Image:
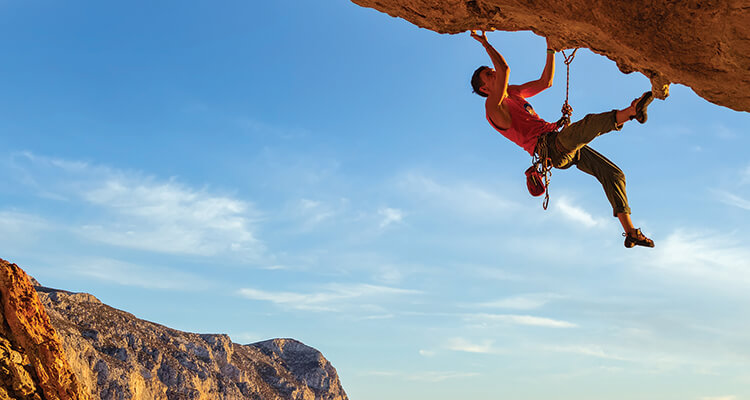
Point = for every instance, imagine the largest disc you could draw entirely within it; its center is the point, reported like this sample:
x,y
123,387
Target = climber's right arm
x,y
502,70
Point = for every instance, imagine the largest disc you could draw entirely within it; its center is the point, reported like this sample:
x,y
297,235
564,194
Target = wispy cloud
x,y
576,214
731,397
590,350
527,320
131,210
390,216
466,346
424,376
312,213
733,200
706,256
332,298
523,302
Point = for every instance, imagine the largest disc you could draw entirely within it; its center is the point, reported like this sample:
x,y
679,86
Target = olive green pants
x,y
569,147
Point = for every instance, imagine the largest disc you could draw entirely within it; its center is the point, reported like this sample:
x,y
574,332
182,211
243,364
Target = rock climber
x,y
510,114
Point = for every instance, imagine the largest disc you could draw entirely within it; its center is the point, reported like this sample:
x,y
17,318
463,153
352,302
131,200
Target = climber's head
x,y
481,79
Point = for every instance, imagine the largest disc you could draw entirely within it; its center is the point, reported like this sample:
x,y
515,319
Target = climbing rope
x,y
541,161
567,110
543,165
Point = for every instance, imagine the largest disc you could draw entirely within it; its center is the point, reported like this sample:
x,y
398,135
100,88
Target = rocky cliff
x,y
704,44
118,356
32,365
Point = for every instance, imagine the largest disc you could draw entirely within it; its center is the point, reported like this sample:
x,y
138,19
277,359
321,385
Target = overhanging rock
x,y
703,44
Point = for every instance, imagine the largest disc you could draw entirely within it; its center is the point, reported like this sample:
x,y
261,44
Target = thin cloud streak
x,y
524,302
527,320
331,299
425,376
592,351
733,200
466,346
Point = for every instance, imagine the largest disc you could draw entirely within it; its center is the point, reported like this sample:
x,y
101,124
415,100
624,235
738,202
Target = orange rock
x,y
28,328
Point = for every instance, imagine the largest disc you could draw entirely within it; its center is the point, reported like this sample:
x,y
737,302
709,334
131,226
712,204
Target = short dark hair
x,y
476,81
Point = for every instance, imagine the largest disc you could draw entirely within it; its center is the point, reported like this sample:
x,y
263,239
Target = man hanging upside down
x,y
511,115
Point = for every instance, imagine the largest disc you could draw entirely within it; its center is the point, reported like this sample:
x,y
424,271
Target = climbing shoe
x,y
641,105
637,238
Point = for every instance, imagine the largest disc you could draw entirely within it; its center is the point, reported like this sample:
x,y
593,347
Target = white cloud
x,y
577,214
525,302
333,298
142,212
733,200
313,212
427,353
705,256
276,267
390,216
591,350
527,320
466,346
732,397
424,376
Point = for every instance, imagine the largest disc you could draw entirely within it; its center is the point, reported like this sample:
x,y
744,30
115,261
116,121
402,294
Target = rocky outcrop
x,y
32,362
50,340
118,356
704,44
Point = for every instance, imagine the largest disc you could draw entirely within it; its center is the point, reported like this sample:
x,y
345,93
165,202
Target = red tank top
x,y
525,124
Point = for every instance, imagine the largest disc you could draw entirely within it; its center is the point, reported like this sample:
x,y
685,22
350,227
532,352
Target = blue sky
x,y
322,171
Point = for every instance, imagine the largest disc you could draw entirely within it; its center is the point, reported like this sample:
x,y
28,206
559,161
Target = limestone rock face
x,y
703,44
32,362
118,356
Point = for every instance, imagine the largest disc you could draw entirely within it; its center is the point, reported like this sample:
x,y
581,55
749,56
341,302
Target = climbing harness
x,y
538,175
